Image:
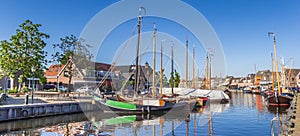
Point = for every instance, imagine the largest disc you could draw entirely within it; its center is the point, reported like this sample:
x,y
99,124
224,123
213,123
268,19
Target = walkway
x,y
297,121
13,100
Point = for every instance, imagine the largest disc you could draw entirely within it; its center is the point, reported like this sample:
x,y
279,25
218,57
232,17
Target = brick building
x,y
58,74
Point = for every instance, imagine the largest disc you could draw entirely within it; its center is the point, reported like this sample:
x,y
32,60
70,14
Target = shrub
x,y
52,90
12,91
24,90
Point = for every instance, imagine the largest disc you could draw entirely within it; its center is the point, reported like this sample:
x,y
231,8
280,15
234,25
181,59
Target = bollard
x,y
292,124
26,98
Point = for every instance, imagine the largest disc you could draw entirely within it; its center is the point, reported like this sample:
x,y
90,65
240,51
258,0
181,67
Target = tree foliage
x,y
176,79
72,51
164,78
23,52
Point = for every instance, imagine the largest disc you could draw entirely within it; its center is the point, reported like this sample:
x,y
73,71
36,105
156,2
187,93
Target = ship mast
x,y
137,67
272,72
208,71
193,80
276,61
290,73
207,74
161,70
186,63
154,62
172,70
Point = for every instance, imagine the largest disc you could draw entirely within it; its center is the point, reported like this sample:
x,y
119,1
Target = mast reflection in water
x,y
246,114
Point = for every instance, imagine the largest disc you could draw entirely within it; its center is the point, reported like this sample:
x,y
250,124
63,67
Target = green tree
x,y
72,51
131,82
164,78
23,52
176,79
171,80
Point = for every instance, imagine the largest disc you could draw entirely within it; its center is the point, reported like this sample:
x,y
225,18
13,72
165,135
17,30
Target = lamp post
x,y
33,70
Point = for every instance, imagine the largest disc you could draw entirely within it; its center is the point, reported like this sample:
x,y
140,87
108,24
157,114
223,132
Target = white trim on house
x,y
33,78
51,76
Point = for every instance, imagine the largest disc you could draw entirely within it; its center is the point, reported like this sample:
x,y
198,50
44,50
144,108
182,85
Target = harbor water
x,y
244,115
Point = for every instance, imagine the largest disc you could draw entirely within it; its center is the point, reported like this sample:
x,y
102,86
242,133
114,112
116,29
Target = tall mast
x,y
161,74
197,79
290,73
272,71
207,73
172,70
186,63
276,61
283,72
154,62
193,80
136,82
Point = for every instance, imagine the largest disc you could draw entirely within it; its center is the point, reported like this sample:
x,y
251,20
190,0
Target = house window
x,y
58,69
102,73
51,70
112,74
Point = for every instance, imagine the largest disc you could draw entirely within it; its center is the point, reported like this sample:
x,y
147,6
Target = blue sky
x,y
241,25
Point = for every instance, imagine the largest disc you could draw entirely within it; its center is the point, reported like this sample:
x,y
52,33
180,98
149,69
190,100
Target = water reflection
x,y
246,113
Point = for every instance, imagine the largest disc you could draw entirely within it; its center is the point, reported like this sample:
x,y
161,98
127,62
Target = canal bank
x,y
297,119
245,114
14,109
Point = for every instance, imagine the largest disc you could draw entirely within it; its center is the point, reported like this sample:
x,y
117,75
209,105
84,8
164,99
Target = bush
x,y
24,90
52,90
12,91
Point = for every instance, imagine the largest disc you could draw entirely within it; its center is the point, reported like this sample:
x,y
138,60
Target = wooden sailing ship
x,y
277,99
135,105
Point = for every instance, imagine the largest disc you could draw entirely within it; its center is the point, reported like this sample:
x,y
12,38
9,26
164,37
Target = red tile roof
x,y
53,70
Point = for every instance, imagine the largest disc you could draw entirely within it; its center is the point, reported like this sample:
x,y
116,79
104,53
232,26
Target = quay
x,y
42,108
297,119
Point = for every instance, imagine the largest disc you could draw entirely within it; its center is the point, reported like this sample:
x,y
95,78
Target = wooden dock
x,y
297,120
